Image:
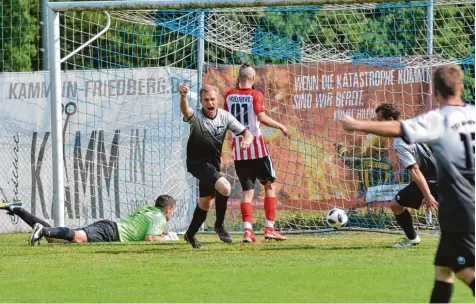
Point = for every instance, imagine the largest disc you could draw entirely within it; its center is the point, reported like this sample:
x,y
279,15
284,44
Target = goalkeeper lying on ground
x,y
147,223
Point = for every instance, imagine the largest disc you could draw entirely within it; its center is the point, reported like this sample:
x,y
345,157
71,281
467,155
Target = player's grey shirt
x,y
207,135
416,153
450,131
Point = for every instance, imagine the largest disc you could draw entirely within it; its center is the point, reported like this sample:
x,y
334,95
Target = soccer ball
x,y
336,218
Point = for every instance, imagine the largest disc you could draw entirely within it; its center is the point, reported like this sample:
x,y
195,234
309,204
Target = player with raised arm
x,y
147,223
247,105
418,159
208,128
450,131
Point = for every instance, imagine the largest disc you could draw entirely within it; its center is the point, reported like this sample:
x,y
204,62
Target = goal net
x,y
124,138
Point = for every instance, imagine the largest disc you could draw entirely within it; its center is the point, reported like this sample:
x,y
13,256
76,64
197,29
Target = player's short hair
x,y
389,110
165,201
207,88
448,80
245,71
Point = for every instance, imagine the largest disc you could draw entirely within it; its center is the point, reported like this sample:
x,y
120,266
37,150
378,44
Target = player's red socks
x,y
247,215
270,211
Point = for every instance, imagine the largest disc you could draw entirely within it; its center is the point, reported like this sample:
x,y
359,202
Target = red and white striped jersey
x,y
245,105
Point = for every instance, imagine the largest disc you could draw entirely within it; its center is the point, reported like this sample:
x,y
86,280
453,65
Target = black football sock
x,y
405,221
28,218
221,203
441,292
198,218
62,233
471,285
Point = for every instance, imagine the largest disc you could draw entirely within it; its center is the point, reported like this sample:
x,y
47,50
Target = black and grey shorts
x,y
411,196
249,171
455,250
207,175
102,231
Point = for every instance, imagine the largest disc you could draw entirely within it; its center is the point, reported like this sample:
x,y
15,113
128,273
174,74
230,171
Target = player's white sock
x,y
269,224
247,225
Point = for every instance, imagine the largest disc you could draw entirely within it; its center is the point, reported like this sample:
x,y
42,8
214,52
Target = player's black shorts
x,y
102,231
207,175
250,170
455,250
411,196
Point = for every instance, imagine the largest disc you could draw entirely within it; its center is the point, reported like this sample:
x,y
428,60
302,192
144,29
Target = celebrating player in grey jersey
x,y
450,131
208,127
419,161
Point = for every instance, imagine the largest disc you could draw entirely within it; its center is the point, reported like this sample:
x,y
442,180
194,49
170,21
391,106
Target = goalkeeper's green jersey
x,y
145,220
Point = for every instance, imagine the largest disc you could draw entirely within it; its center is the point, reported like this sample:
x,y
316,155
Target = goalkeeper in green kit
x,y
147,223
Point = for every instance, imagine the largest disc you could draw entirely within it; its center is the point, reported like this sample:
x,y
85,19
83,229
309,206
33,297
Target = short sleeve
x,y
258,103
404,153
425,128
192,119
158,225
233,124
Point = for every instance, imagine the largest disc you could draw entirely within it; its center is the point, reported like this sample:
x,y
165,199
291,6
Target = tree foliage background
x,y
387,30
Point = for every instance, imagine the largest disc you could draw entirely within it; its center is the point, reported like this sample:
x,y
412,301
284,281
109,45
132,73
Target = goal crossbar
x,y
191,4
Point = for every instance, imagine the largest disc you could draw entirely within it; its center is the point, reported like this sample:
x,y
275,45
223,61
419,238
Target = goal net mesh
x,y
125,141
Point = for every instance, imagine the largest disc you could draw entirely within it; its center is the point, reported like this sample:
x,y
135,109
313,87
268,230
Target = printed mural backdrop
x,y
124,139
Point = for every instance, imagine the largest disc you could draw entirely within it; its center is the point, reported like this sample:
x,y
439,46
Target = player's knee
x,y
269,189
466,275
269,186
223,186
444,274
396,207
205,203
247,196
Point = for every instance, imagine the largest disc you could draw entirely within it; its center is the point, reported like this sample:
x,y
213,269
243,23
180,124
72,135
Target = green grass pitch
x,y
342,267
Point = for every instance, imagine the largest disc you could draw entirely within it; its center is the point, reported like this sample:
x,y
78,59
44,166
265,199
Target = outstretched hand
x,y
348,123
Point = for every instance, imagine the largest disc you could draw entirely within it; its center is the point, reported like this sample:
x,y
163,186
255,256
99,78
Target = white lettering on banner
x,y
414,75
112,151
324,100
356,83
382,193
29,90
365,79
306,83
349,98
361,113
302,101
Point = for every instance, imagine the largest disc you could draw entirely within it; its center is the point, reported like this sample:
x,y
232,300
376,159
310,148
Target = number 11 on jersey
x,y
468,142
240,111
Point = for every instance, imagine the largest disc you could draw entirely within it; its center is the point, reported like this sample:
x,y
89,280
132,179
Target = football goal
x,y
118,139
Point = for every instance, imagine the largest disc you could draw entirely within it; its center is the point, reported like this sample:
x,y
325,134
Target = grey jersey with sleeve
x,y
450,131
207,134
416,153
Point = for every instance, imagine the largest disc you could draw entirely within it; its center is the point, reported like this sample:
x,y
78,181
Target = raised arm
x,y
424,128
186,110
391,128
